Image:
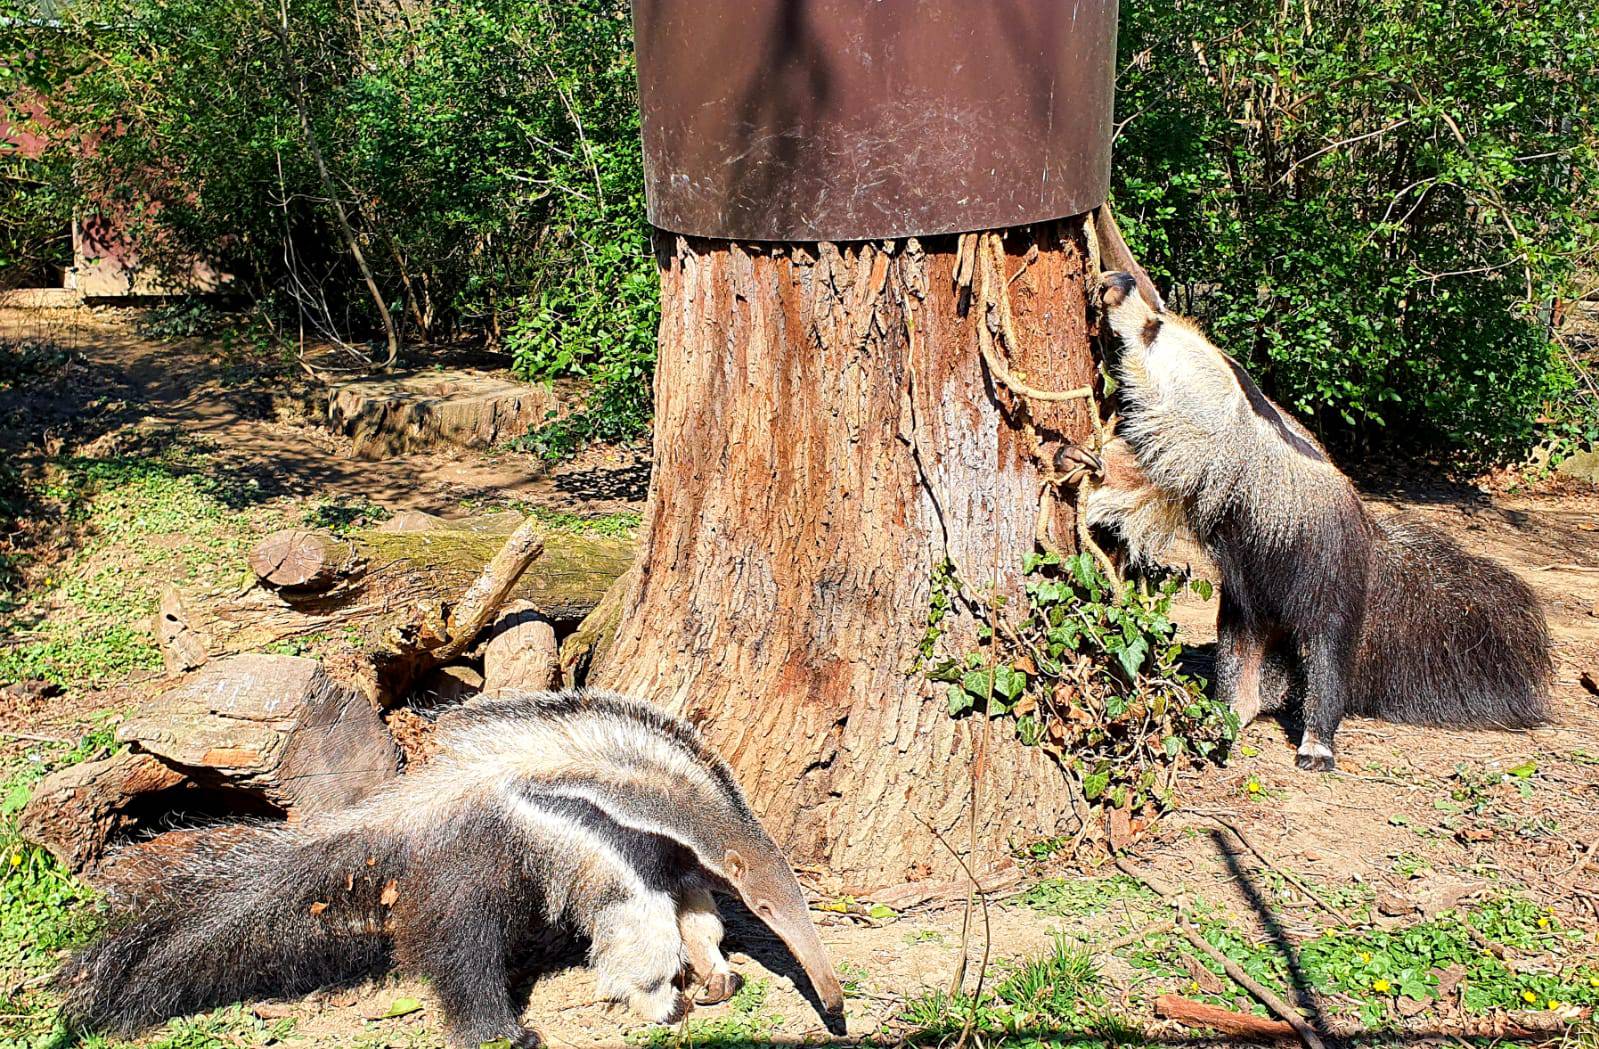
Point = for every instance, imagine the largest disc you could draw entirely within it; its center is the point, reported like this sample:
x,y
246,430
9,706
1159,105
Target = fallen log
x,y
76,811
383,577
587,648
300,559
277,726
1244,1026
521,653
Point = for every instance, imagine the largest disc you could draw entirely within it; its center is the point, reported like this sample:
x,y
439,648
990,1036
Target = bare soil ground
x,y
1416,822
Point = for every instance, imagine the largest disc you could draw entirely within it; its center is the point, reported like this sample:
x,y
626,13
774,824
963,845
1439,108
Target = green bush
x,y
1371,204
485,152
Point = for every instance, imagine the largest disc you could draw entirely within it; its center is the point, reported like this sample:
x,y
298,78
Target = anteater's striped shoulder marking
x,y
561,715
1261,405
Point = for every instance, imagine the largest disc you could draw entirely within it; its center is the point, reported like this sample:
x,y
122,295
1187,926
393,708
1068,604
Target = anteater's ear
x,y
1115,287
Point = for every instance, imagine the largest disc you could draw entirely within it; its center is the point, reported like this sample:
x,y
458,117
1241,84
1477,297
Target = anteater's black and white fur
x,y
586,812
1320,597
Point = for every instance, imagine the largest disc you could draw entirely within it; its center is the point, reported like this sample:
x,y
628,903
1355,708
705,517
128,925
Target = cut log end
x,y
521,652
299,559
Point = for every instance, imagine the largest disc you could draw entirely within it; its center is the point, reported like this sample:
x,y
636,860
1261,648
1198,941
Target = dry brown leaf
x,y
317,908
391,892
1449,978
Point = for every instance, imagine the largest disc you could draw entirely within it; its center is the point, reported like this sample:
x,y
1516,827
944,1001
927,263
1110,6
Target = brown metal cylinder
x,y
804,120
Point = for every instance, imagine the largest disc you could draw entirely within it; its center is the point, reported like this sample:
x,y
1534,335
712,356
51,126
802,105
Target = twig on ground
x,y
34,737
1139,935
1265,995
988,936
1585,856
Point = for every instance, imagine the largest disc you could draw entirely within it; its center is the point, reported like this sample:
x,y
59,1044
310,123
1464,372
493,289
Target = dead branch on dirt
x,y
959,977
1194,1014
1265,995
1139,936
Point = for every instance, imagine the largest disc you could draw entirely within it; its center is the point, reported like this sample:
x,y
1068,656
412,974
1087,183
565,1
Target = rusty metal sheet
x,y
864,119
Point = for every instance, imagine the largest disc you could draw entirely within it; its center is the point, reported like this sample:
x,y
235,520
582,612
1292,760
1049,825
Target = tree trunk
x,y
827,435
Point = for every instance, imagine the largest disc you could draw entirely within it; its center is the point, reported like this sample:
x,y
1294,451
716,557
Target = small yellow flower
x,y
1254,786
1381,986
1529,997
1553,1004
1593,981
1365,956
16,861
1543,923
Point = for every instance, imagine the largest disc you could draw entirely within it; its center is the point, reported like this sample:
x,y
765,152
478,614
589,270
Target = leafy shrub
x,y
1089,672
1372,204
485,153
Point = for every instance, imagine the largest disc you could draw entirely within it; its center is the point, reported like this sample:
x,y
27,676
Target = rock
x,y
1582,465
76,812
276,725
1394,905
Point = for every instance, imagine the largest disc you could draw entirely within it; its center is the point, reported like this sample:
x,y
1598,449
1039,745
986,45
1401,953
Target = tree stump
x,y
827,437
275,725
391,415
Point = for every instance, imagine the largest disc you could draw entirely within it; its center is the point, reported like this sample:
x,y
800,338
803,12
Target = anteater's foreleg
x,y
701,929
1242,638
638,954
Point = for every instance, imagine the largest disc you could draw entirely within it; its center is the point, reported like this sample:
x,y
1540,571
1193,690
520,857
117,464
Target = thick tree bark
x,y
826,434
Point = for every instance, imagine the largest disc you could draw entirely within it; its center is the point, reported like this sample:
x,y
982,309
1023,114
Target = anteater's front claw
x,y
719,988
1074,462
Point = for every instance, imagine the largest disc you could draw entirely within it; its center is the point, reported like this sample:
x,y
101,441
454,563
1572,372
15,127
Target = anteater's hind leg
x,y
456,924
1328,658
638,954
701,928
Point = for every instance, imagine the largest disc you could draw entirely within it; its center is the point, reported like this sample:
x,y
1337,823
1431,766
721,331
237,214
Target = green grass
x,y
743,1026
342,516
144,521
620,525
43,909
1082,897
1376,967
1048,1001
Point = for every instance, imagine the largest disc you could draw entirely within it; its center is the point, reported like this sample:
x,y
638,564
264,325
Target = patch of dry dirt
x,y
120,382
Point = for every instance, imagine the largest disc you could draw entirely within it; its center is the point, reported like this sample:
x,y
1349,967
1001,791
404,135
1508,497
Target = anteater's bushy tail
x,y
1450,639
249,911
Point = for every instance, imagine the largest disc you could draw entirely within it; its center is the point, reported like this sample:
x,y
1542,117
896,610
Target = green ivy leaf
x,y
1009,682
